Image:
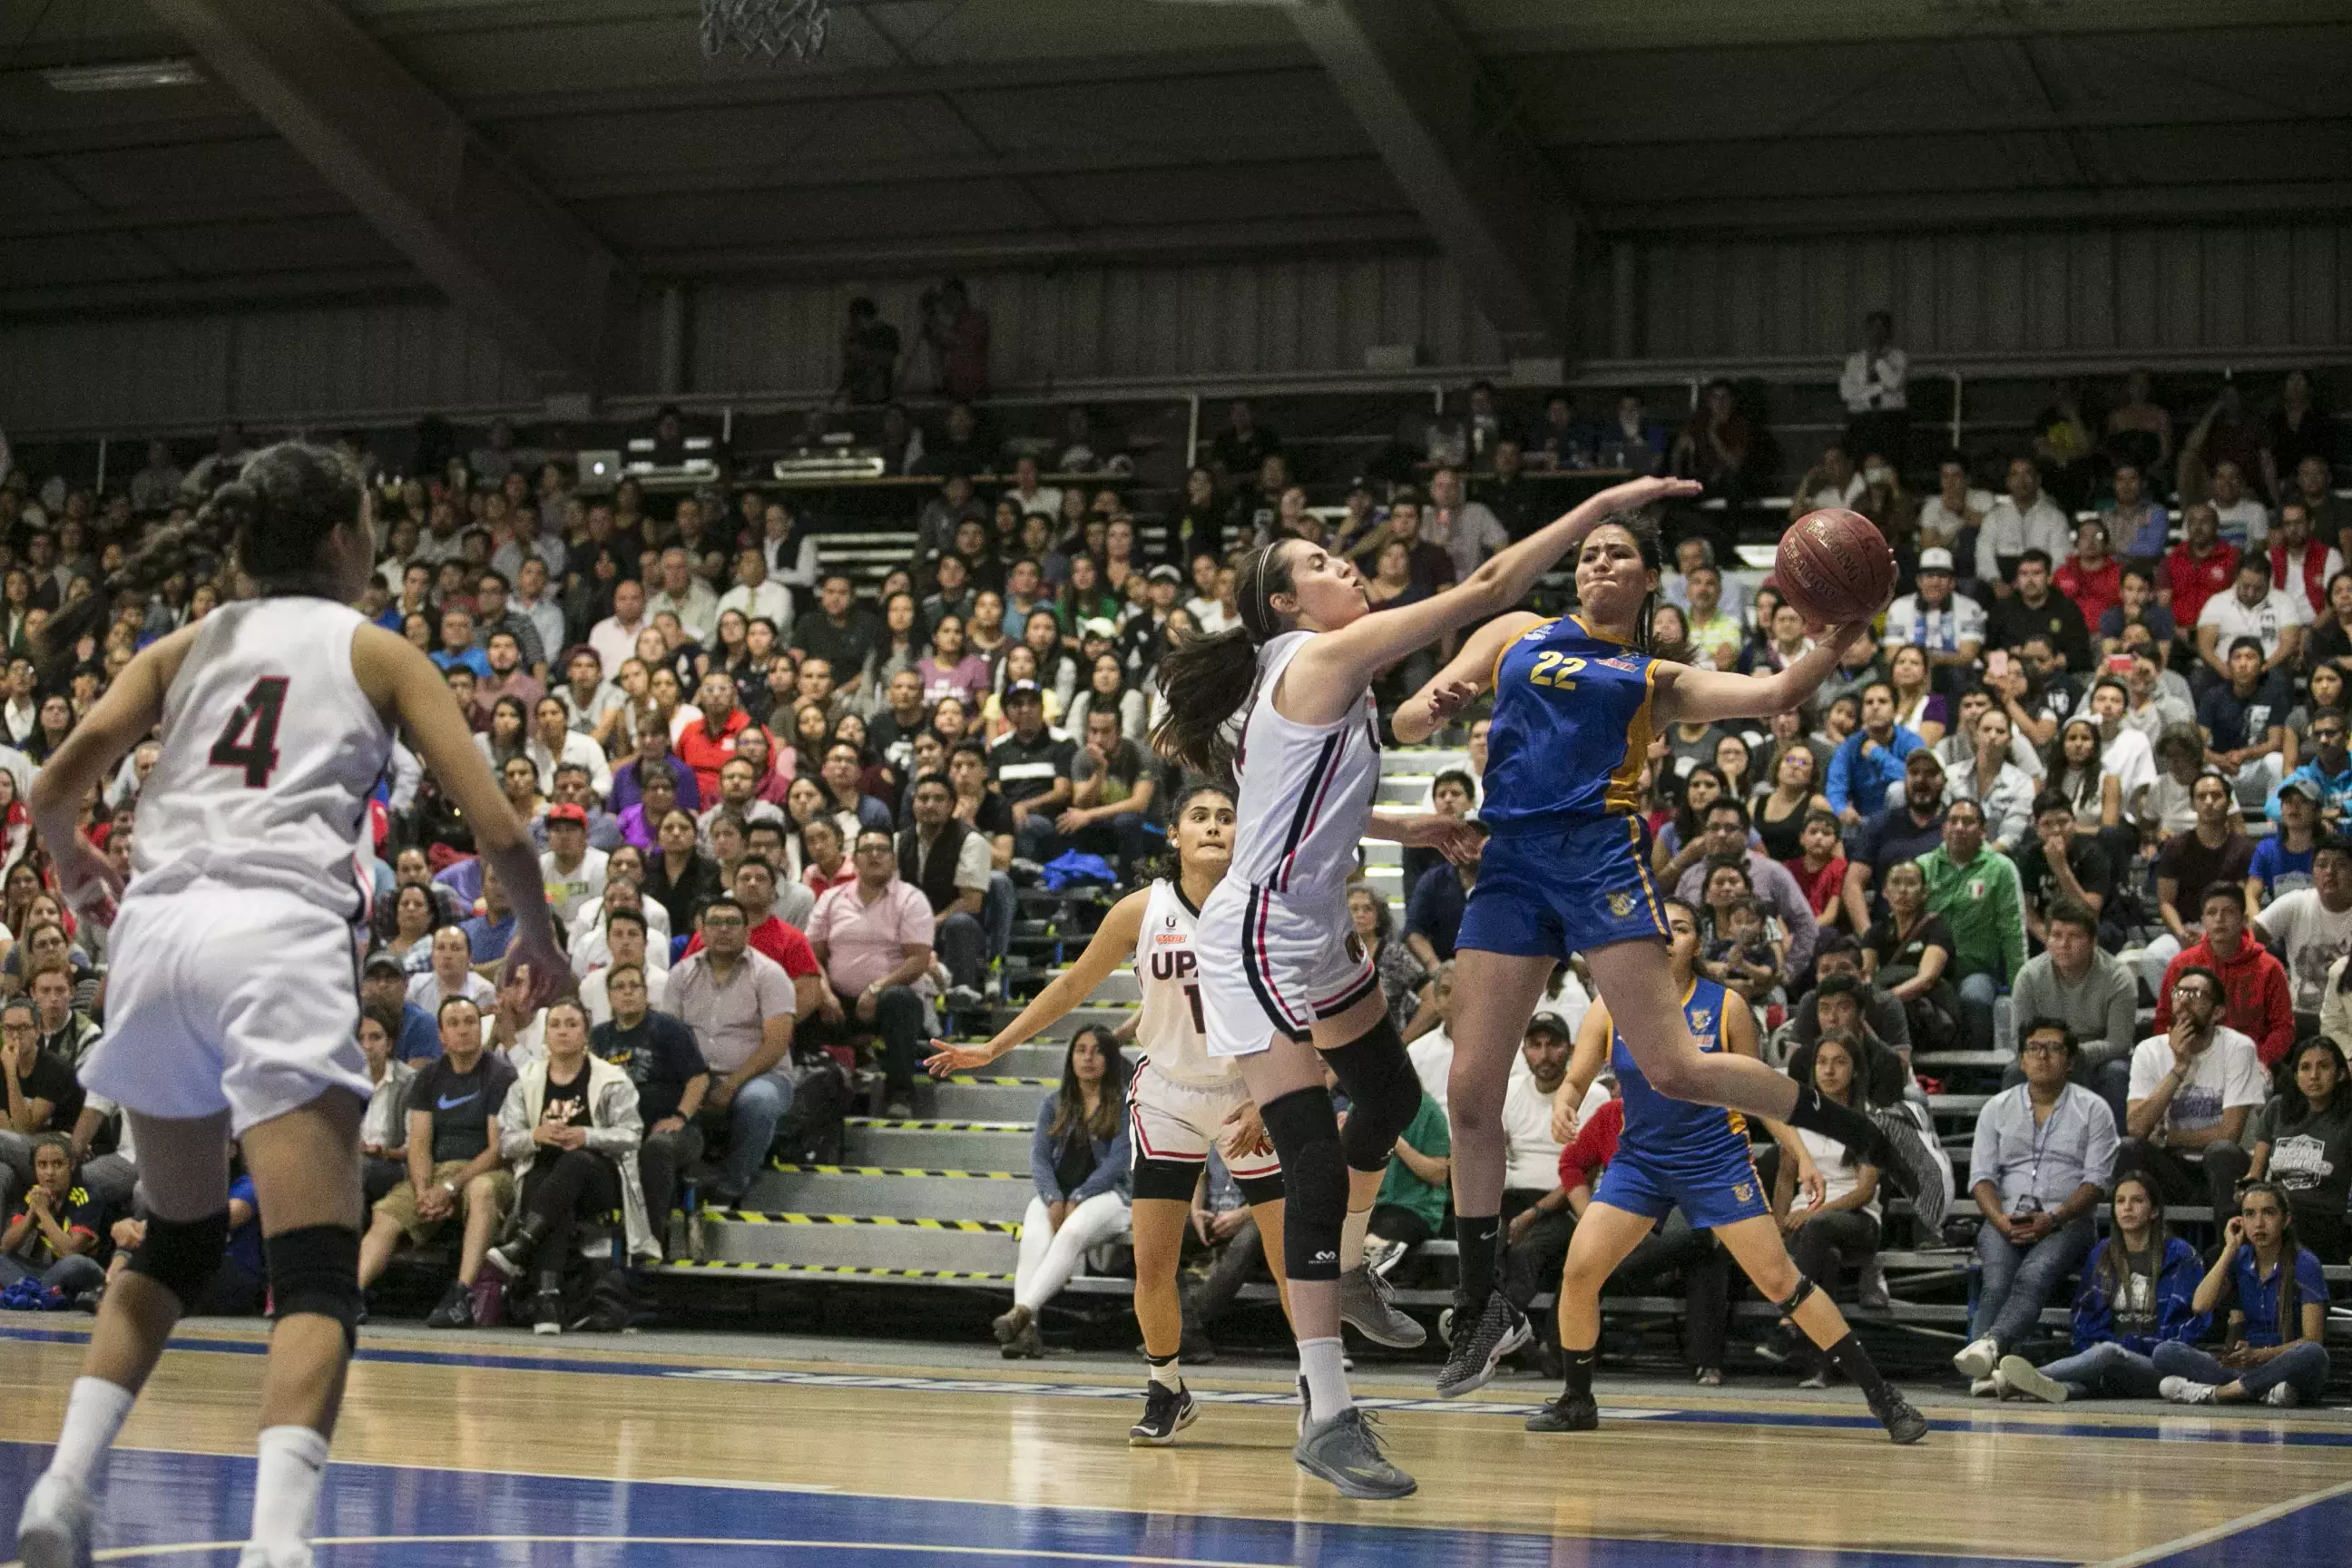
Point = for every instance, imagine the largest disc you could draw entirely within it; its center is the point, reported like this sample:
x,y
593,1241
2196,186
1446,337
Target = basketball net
x,y
765,29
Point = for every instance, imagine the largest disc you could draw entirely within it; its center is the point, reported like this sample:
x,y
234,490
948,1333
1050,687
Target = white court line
x,y
2224,1531
1025,1553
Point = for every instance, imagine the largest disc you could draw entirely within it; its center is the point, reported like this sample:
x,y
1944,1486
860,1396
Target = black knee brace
x,y
1797,1298
316,1269
1383,1095
1314,1182
182,1256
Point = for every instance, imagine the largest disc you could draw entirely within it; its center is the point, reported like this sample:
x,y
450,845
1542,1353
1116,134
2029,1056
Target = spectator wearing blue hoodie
x,y
2138,1291
1870,761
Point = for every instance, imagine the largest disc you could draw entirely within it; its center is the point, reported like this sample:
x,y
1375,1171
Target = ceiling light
x,y
123,75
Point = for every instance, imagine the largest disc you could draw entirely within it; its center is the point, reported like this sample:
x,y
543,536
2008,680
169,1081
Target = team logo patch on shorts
x,y
1742,1192
1621,904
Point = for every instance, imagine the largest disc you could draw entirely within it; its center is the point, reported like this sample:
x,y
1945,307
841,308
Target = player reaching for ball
x,y
1566,871
1181,1099
232,1011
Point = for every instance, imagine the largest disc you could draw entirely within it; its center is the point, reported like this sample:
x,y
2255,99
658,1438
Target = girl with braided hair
x,y
232,1011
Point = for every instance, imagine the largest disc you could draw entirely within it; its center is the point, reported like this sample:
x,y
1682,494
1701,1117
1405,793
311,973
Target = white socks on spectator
x,y
94,1414
286,1491
1321,1363
1351,1238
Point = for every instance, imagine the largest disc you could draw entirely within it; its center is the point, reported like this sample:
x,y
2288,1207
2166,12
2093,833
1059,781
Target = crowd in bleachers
x,y
2096,764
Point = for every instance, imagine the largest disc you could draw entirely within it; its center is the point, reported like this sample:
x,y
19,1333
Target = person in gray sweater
x,y
2094,993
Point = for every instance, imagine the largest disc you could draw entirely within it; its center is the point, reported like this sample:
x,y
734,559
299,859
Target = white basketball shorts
x,y
1272,962
1169,1120
236,998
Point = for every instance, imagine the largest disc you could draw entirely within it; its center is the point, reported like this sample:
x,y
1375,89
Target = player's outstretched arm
x,y
1456,686
119,720
1113,940
1344,662
1704,696
405,687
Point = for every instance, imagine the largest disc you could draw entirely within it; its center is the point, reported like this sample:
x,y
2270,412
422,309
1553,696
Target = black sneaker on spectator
x,y
455,1311
547,1307
1024,871
1166,1412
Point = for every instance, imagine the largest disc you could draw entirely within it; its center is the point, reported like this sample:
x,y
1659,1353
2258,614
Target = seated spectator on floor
x,y
660,1056
2254,992
1031,768
2311,929
2243,715
38,1095
1410,1207
873,939
1726,837
2276,1298
1223,1231
739,1005
949,864
1975,889
111,1176
2213,850
2135,1293
1078,1161
1837,1007
451,974
1110,812
2192,1089
2301,1142
1433,913
56,1230
454,1172
570,1131
384,1126
2043,1154
1907,955
1838,1225
1871,761
2093,993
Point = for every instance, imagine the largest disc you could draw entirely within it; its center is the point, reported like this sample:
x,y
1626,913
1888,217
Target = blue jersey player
x,y
1675,1153
1577,703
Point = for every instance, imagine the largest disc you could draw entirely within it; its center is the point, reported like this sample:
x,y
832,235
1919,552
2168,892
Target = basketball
x,y
1834,567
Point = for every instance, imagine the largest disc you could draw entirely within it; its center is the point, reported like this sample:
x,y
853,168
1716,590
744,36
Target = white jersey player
x,y
233,1009
1181,1101
1282,995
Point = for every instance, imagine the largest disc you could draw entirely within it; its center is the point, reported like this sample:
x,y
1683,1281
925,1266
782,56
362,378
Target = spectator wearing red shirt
x,y
706,745
2256,999
2091,577
1590,1151
2202,566
1819,869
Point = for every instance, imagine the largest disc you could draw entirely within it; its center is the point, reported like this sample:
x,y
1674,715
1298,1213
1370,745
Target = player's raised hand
x,y
86,878
1447,697
538,966
1635,494
946,1058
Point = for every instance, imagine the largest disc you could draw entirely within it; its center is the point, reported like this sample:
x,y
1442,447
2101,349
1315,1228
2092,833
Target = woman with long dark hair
x,y
1565,871
2302,1140
1079,1160
509,736
224,1017
2136,1292
1279,990
2277,1300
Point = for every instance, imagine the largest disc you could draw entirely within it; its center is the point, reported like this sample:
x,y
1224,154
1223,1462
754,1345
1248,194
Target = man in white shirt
x,y
2021,521
1029,495
614,637
684,595
2302,566
1956,505
2254,608
2245,522
2191,1092
1949,625
1691,554
589,945
21,715
1537,1220
1715,635
2124,751
530,601
2312,928
573,872
1874,388
754,596
625,936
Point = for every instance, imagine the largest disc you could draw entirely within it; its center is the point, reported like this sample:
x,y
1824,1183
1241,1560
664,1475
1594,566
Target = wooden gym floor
x,y
669,1449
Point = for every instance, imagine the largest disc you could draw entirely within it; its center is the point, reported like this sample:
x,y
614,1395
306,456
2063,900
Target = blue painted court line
x,y
383,1517
2181,1430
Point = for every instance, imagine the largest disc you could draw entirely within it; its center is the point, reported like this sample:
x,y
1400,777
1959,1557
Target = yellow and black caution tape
x,y
841,1270
965,1077
897,1171
752,1216
1024,1128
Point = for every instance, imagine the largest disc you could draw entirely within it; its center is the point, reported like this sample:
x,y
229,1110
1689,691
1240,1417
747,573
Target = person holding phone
x,y
2274,1288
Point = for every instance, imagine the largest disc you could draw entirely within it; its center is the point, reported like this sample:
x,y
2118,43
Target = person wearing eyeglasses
x,y
873,939
2192,1089
2044,1154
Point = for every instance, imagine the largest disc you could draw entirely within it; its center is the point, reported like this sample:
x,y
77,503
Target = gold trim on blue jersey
x,y
1624,794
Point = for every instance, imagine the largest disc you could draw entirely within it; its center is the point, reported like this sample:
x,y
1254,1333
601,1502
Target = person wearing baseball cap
x,y
1536,1214
384,982
1031,767
573,872
1949,625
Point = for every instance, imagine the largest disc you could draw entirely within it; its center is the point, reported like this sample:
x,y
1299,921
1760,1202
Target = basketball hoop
x,y
768,28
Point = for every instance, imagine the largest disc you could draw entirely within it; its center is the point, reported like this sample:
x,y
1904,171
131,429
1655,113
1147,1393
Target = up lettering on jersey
x,y
1178,965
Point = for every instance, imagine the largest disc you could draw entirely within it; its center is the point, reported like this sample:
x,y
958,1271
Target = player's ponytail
x,y
270,521
1206,679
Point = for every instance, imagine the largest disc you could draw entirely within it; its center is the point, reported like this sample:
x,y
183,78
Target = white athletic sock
x,y
1351,1238
94,1414
286,1491
1168,1373
1326,1383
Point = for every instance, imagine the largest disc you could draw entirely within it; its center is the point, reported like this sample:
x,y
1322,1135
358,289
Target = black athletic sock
x,y
1479,1240
1860,1370
1841,1123
1580,1371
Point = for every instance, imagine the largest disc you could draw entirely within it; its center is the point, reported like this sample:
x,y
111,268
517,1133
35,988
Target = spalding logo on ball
x,y
1834,567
